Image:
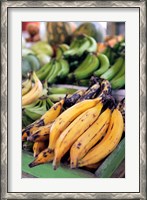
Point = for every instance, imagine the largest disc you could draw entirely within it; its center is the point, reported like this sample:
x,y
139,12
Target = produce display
x,y
70,114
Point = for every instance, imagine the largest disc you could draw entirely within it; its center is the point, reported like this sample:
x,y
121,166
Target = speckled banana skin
x,y
121,108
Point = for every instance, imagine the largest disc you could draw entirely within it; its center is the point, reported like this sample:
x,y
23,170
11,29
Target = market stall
x,y
73,99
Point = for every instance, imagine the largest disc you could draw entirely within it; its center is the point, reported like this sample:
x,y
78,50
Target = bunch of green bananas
x,y
56,69
85,69
80,45
116,74
115,52
99,66
34,111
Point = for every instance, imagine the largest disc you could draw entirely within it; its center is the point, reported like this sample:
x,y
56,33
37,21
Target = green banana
x,y
60,50
43,74
42,69
64,69
53,76
61,90
32,105
36,112
56,97
25,120
83,47
49,103
73,48
88,70
93,44
120,73
86,61
113,70
104,65
118,83
78,46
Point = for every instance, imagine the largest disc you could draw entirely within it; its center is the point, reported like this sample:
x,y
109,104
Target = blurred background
x,y
105,29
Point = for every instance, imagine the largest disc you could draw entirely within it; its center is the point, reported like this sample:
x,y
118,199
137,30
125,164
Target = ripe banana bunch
x,y
73,131
47,118
89,138
90,130
34,93
108,143
80,45
26,86
60,124
78,129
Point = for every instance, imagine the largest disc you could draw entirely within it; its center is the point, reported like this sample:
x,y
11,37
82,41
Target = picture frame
x,y
5,5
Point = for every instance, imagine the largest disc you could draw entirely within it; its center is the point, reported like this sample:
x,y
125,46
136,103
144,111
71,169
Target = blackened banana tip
x,y
31,165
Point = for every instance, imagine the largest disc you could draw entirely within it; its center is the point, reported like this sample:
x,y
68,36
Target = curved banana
x,y
86,62
91,92
37,111
104,65
43,157
108,143
88,70
71,100
53,77
93,44
60,50
118,83
34,93
38,147
120,73
64,69
113,70
89,138
47,118
43,72
63,121
40,135
26,86
74,130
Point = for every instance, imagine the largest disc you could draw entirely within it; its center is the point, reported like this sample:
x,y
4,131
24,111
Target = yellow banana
x,y
43,157
67,117
41,134
47,118
34,93
38,147
74,130
90,137
108,143
26,86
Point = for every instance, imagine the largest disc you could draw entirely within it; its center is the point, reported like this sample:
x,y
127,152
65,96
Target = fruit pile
x,y
74,63
82,129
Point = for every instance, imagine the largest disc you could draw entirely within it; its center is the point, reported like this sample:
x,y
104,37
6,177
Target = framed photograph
x,y
73,93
